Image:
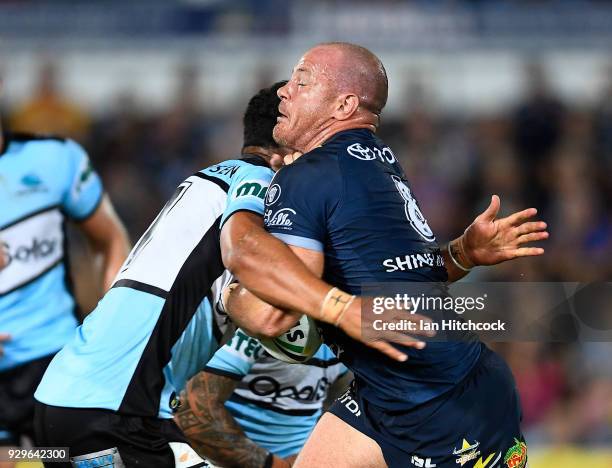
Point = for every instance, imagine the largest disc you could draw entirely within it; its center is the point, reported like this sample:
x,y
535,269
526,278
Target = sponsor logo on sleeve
x,y
252,188
84,177
280,218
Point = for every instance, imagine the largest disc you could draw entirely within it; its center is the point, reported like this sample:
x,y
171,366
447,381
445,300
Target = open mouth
x,y
281,116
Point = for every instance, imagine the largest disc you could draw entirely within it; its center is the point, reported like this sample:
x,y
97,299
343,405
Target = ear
x,y
347,105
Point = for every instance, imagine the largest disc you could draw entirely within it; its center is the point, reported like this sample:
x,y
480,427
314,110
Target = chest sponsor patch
x,y
31,246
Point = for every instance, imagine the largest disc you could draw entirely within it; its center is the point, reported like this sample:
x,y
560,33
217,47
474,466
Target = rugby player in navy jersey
x,y
346,209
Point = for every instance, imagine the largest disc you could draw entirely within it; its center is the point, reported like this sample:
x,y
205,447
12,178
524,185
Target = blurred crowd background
x,y
505,97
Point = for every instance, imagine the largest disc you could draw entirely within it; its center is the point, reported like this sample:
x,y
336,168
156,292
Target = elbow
x,y
232,260
238,259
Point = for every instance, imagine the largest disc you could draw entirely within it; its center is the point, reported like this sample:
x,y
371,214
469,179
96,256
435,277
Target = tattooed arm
x,y
211,429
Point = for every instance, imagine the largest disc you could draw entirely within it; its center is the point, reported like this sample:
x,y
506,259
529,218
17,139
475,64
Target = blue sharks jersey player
x,y
247,405
154,328
44,182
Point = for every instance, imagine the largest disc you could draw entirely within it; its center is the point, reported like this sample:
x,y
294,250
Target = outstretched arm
x,y
489,241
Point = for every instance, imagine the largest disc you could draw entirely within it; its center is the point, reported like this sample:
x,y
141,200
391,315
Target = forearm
x,y
113,255
211,429
108,239
270,270
258,318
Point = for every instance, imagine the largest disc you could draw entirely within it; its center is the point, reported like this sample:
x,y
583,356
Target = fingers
x,y
491,212
527,228
388,350
525,252
532,237
291,158
516,219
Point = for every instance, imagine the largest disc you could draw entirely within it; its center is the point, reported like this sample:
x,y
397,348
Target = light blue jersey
x,y
157,325
276,404
43,181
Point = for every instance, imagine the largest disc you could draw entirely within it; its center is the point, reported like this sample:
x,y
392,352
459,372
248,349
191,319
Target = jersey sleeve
x,y
247,190
84,191
236,357
301,199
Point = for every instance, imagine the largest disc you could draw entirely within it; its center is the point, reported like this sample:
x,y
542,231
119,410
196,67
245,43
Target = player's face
x,y
307,100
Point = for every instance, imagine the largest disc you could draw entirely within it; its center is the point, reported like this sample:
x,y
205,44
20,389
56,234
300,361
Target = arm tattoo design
x,y
211,429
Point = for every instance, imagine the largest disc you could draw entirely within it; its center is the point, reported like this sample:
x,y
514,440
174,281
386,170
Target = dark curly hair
x,y
260,117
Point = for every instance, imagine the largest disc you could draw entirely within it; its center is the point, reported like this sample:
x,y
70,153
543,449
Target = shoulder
x,y
20,137
59,158
47,145
233,170
320,164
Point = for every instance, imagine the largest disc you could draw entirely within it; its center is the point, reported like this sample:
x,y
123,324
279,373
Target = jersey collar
x,y
357,132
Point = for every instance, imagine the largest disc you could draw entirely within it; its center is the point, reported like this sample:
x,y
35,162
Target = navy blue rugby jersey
x,y
350,199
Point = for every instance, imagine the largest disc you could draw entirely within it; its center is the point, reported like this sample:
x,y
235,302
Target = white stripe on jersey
x,y
163,249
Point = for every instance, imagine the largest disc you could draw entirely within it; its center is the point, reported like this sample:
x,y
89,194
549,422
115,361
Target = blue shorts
x,y
476,425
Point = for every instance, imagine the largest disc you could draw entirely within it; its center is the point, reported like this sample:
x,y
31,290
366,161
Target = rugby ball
x,y
297,344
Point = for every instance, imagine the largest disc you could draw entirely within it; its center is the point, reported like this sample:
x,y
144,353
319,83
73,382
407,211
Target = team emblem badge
x,y
273,194
516,456
467,452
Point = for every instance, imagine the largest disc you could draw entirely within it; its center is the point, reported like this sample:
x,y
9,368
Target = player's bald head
x,y
335,86
354,69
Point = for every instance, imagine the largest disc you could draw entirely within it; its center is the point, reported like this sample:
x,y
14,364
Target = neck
x,y
337,127
259,151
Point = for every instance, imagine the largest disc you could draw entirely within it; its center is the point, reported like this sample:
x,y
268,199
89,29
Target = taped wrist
x,y
334,306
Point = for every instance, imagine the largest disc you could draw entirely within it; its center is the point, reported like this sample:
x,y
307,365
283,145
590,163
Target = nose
x,y
283,92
